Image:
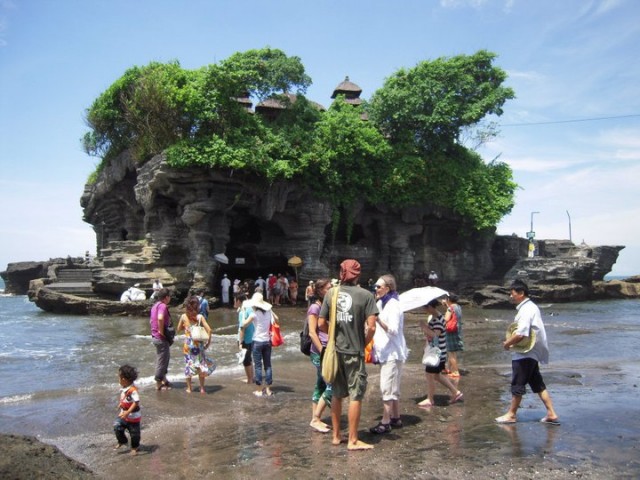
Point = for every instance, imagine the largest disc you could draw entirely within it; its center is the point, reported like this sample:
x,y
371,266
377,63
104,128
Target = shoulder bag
x,y
305,339
452,323
329,354
198,332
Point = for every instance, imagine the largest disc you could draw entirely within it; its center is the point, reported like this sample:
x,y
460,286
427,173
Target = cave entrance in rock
x,y
250,251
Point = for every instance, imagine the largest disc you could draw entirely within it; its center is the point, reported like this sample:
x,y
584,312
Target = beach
x,y
230,433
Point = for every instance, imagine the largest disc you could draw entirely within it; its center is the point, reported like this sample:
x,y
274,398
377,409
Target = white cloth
x,y
528,317
262,322
391,344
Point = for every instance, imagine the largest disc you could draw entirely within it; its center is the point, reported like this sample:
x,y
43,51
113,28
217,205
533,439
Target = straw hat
x,y
257,301
524,345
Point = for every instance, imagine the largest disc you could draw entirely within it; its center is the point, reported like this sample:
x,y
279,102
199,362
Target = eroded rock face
x,y
153,221
186,216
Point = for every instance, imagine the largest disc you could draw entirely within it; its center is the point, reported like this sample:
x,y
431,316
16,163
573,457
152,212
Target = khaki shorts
x,y
351,380
390,374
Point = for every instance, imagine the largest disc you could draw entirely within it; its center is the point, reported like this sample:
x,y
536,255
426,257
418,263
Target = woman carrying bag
x,y
197,340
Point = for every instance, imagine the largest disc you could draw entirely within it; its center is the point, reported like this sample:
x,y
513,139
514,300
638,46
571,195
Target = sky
x,y
571,135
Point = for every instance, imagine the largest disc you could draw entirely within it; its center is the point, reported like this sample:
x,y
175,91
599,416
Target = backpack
x,y
305,339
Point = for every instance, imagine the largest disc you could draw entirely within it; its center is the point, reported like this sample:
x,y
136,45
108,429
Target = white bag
x,y
431,356
199,333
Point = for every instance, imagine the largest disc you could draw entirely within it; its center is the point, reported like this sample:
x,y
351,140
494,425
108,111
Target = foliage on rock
x,y
407,153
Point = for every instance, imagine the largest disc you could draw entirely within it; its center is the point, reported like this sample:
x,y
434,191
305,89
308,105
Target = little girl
x,y
129,416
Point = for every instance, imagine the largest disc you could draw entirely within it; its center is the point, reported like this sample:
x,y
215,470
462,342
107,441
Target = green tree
x,y
428,106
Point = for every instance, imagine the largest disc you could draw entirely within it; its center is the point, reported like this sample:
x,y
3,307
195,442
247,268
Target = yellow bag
x,y
329,354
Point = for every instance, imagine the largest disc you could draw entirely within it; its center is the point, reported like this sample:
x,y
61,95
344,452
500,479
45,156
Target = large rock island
x,y
188,227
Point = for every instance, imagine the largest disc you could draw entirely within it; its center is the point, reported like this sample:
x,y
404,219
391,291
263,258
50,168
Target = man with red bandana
x,y
355,325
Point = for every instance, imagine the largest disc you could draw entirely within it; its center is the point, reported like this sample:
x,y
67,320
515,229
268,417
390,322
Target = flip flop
x,y
554,421
505,420
458,398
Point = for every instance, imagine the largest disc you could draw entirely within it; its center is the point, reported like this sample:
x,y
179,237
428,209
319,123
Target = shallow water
x,y
60,383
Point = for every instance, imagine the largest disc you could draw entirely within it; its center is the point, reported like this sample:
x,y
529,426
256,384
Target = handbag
x,y
370,353
329,354
452,323
169,333
276,336
431,355
198,332
305,339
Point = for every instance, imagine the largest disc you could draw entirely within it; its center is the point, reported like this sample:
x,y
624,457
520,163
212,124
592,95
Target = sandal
x,y
396,423
380,428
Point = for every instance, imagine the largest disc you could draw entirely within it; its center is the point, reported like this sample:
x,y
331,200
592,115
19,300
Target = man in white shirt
x,y
524,364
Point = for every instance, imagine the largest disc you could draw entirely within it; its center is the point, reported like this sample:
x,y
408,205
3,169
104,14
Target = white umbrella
x,y
221,258
417,297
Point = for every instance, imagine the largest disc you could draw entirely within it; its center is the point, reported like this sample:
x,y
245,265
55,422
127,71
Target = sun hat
x,y
524,345
257,301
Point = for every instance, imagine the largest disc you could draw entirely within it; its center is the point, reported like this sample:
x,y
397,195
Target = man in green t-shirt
x,y
355,325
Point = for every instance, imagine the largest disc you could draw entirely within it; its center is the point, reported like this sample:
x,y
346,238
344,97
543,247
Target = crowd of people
x,y
359,318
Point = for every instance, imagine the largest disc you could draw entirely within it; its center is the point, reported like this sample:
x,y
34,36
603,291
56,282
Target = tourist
x,y
204,304
260,284
157,285
262,318
129,416
225,284
245,337
160,321
196,362
390,350
433,278
236,293
276,292
435,335
525,365
308,293
293,291
321,396
355,326
271,285
454,339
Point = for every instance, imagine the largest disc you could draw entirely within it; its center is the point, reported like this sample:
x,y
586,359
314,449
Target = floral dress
x,y
194,356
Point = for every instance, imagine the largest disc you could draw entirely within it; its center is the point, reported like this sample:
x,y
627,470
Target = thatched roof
x,y
347,88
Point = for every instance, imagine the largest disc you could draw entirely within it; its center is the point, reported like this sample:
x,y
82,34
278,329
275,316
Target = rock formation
x,y
153,221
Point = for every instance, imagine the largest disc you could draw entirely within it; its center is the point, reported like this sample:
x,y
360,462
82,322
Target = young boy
x,y
129,416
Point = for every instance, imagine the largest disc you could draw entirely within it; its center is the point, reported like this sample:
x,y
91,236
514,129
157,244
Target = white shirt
x,y
528,317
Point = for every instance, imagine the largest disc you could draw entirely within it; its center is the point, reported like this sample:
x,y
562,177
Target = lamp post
x,y
531,235
532,214
569,225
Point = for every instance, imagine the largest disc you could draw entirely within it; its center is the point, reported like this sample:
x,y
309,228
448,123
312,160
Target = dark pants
x,y
119,428
163,354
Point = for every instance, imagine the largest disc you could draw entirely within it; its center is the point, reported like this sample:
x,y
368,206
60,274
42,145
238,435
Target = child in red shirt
x,y
129,416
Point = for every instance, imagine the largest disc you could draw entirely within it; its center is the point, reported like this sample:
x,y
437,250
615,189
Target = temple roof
x,y
347,88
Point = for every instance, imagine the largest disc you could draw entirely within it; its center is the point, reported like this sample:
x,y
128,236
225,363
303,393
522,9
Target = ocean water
x,y
58,369
45,355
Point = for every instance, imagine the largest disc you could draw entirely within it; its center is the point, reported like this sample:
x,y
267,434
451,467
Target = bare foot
x,y
338,440
188,390
203,391
268,392
134,452
118,446
359,445
425,403
319,425
258,393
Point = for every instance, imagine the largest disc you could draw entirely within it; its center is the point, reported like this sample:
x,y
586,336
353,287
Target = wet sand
x,y
230,433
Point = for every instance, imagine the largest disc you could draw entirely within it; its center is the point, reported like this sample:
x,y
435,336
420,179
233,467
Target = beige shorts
x,y
390,376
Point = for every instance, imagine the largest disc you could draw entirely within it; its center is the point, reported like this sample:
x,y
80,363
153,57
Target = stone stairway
x,y
75,281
